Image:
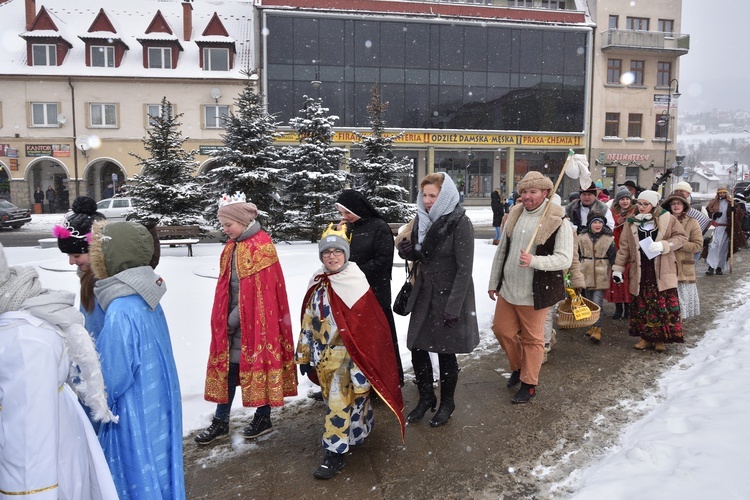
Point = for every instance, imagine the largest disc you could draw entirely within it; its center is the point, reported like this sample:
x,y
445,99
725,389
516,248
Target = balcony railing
x,y
645,40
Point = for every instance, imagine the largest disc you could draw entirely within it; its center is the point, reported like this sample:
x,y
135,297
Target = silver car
x,y
115,208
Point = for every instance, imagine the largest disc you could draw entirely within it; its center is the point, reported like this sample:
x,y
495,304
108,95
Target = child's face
x,y
596,226
231,228
79,259
333,259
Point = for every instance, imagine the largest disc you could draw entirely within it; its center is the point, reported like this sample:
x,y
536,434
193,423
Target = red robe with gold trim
x,y
366,334
267,370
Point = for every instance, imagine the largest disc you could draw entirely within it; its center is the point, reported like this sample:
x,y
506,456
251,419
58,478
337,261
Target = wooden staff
x,y
549,197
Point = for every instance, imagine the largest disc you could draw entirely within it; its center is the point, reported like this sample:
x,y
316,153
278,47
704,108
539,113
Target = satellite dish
x,y
61,119
82,142
215,93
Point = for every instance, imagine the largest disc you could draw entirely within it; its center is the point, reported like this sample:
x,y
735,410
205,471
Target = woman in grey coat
x,y
443,313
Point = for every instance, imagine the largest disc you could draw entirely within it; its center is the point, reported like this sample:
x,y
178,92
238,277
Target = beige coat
x,y
671,233
594,259
686,254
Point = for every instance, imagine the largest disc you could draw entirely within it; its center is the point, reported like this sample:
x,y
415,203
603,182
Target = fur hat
x,y
649,196
244,213
591,189
667,204
536,180
594,216
332,239
683,186
117,246
622,192
74,234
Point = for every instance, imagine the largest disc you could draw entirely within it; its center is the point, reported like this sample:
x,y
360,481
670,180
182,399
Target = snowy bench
x,y
174,236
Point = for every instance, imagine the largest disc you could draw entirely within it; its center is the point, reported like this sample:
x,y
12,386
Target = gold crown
x,y
330,231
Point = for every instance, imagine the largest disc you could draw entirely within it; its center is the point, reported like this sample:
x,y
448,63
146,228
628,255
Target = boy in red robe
x,y
345,343
251,331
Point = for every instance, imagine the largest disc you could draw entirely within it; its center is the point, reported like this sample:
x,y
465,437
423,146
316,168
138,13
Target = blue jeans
x,y
222,409
597,297
497,233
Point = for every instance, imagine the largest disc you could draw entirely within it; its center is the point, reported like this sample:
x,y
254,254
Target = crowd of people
x,y
114,354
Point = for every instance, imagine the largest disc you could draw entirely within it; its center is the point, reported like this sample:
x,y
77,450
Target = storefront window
x,y
470,170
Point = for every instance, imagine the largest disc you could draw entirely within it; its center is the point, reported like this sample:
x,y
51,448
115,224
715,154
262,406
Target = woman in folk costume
x,y
686,288
724,217
619,293
251,330
655,311
73,237
144,449
48,448
345,343
440,243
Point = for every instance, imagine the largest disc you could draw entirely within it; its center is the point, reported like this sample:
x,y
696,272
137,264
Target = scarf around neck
x,y
140,280
446,202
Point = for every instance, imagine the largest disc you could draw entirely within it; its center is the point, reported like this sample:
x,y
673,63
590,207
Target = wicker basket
x,y
566,319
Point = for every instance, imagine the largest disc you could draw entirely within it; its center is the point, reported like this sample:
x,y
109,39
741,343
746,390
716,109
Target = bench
x,y
174,236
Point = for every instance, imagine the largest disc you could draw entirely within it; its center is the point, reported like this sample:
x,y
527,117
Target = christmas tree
x,y
248,163
165,193
313,180
377,174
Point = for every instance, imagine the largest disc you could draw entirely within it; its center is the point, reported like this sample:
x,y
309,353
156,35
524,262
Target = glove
x,y
305,369
731,209
234,318
656,246
449,320
716,215
405,247
617,277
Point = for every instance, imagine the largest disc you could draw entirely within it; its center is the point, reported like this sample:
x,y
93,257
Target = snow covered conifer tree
x,y
314,180
165,192
377,173
248,163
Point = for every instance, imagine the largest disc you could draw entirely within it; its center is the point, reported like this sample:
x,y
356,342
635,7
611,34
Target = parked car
x,y
12,216
115,208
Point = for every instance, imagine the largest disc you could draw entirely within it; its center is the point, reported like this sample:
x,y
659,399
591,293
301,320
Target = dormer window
x,y
44,54
215,59
160,57
102,56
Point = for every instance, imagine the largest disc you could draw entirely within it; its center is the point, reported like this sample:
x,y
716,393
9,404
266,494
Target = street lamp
x,y
665,117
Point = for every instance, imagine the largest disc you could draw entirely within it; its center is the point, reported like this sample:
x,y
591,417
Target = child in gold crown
x,y
251,333
345,345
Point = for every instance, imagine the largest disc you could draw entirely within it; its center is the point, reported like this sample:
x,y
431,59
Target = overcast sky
x,y
716,71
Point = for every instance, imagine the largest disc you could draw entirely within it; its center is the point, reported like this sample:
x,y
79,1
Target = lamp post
x,y
665,117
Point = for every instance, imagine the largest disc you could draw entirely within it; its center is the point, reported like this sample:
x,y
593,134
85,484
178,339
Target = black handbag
x,y
402,299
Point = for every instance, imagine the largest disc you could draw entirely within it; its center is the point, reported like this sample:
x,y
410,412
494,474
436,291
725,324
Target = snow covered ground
x,y
692,441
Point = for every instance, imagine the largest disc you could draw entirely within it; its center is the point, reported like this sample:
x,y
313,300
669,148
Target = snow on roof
x,y
131,19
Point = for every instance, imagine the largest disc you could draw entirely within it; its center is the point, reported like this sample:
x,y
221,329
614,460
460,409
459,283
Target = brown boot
x,y
642,344
595,334
495,242
660,347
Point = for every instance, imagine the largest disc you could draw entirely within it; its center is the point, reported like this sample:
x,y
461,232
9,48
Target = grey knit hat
x,y
333,239
622,192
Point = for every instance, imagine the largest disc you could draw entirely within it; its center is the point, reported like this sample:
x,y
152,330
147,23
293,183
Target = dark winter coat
x,y
38,196
372,249
51,195
498,208
573,211
444,285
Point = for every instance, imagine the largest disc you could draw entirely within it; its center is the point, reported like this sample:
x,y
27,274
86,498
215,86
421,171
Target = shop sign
x,y
56,150
550,140
209,150
3,149
13,163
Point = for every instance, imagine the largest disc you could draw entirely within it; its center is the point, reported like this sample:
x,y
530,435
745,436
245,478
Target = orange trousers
x,y
520,331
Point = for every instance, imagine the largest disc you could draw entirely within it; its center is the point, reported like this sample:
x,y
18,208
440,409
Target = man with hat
x,y
517,277
631,186
696,211
578,210
720,209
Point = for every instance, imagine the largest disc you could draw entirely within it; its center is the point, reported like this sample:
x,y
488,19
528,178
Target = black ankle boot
x,y
515,378
427,399
626,312
618,311
524,394
447,405
710,271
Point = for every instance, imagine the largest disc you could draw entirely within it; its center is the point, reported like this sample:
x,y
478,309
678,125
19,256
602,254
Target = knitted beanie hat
x,y
536,180
17,284
683,186
244,213
649,196
74,234
332,239
594,216
622,192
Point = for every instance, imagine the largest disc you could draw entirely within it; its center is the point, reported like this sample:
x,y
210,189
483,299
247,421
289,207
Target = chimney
x,y
187,19
30,13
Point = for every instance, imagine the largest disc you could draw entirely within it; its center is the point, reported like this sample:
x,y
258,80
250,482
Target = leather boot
x,y
595,334
427,399
618,311
495,242
626,311
447,405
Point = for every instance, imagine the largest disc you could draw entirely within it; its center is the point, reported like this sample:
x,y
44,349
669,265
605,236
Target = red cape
x,y
367,337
